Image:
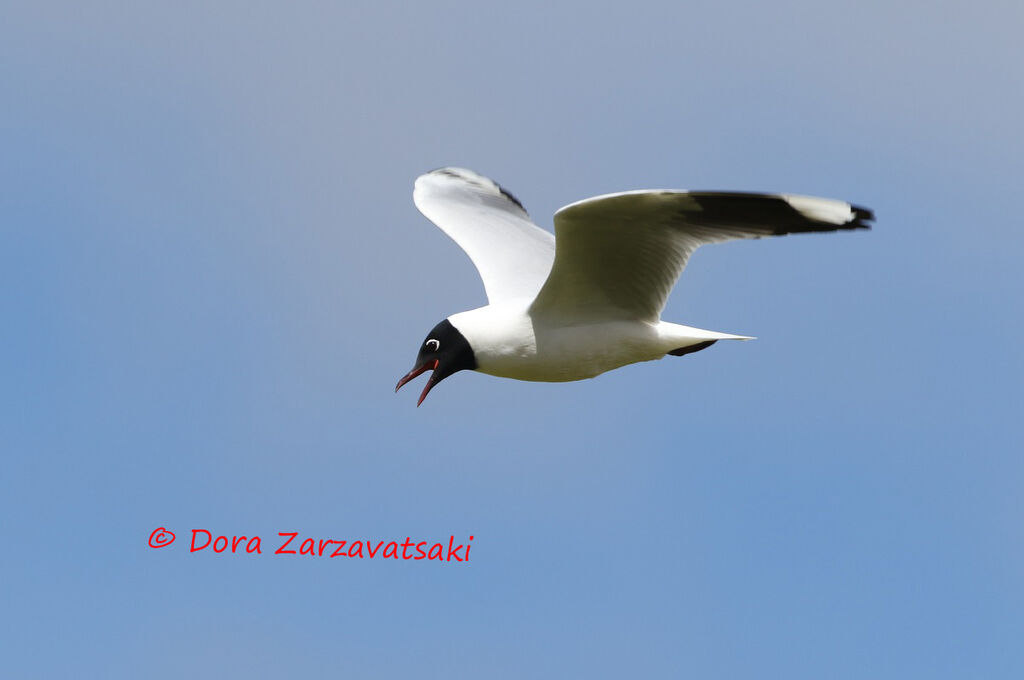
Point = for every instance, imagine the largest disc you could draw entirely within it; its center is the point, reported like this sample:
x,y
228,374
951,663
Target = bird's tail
x,y
676,331
682,340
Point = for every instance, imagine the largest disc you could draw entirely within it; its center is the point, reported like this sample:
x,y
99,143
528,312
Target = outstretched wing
x,y
512,254
618,256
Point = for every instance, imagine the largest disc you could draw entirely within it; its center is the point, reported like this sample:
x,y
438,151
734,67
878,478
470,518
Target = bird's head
x,y
445,351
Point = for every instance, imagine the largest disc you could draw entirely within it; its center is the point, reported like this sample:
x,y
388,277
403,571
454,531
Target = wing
x,y
618,256
512,254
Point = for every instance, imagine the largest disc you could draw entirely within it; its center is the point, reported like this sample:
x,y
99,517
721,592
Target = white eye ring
x,y
432,345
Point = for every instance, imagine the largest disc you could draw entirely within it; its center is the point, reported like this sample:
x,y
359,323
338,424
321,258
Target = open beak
x,y
422,368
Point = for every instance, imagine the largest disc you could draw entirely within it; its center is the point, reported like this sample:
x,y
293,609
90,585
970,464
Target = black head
x,y
445,351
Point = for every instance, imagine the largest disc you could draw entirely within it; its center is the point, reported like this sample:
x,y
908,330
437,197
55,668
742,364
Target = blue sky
x,y
213,274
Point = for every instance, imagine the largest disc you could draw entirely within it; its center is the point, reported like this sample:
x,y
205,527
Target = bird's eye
x,y
432,345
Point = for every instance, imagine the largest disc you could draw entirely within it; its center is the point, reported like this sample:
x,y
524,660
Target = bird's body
x,y
509,343
594,303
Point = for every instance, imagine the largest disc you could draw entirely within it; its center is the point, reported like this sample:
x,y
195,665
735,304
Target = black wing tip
x,y
508,194
476,178
862,218
779,214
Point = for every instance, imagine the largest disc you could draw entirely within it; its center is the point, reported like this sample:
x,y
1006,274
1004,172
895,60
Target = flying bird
x,y
588,299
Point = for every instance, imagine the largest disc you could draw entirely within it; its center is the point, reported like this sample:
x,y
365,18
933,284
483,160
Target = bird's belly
x,y
573,353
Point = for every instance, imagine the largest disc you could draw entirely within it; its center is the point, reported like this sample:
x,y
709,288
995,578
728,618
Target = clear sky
x,y
212,275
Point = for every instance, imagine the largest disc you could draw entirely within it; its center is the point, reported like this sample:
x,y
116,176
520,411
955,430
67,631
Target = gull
x,y
588,299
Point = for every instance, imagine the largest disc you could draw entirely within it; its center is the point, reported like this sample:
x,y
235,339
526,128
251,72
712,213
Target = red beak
x,y
428,366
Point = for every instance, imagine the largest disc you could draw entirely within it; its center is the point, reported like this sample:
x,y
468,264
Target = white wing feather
x,y
511,253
